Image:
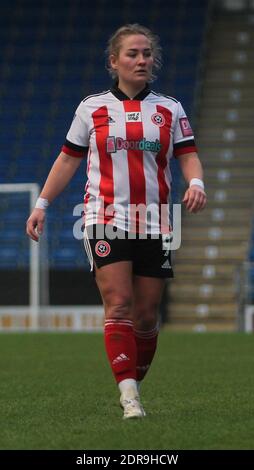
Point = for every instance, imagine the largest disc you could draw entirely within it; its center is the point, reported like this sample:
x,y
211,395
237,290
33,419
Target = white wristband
x,y
41,203
197,182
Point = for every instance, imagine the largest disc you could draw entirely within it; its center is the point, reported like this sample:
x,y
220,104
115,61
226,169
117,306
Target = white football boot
x,y
130,402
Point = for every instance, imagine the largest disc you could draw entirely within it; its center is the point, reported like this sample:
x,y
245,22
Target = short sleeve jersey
x,y
129,144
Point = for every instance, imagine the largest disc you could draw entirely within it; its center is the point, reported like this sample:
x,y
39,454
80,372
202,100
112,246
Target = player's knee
x,y
119,307
146,317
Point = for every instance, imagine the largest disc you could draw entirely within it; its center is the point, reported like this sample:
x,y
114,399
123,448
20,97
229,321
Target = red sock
x,y
121,348
146,342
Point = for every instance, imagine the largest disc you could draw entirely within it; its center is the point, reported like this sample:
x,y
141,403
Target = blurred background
x,y
52,56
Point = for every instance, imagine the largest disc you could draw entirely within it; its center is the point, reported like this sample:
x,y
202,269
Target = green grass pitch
x,y
57,392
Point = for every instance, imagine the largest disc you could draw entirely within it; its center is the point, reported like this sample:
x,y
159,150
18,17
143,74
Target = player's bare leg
x,y
115,284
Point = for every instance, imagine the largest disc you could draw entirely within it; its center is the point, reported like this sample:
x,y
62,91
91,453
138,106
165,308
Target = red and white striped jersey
x,y
129,143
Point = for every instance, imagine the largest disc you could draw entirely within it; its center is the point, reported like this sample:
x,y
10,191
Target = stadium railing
x,y
245,294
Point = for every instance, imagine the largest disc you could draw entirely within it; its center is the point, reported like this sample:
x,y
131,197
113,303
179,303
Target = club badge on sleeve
x,y
185,127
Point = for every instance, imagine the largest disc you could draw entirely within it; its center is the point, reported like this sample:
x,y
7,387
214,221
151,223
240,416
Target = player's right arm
x,y
59,176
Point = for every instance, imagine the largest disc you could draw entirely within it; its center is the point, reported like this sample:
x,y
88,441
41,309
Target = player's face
x,y
135,60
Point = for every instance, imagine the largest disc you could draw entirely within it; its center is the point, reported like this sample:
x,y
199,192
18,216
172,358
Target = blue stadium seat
x,y
9,257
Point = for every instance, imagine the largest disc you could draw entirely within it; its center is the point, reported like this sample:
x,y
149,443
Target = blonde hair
x,y
114,45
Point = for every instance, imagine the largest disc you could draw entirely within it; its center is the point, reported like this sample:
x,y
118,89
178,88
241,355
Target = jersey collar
x,y
120,95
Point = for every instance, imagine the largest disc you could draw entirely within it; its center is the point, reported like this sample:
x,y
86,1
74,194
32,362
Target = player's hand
x,y
35,224
194,199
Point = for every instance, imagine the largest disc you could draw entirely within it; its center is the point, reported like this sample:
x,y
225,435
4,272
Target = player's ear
x,y
113,61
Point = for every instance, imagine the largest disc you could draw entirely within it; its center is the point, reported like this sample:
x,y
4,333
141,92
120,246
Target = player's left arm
x,y
195,196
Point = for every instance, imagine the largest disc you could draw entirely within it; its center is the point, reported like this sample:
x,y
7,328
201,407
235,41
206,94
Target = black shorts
x,y
148,255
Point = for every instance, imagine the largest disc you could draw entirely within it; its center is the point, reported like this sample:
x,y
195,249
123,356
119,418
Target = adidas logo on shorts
x,y
166,265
